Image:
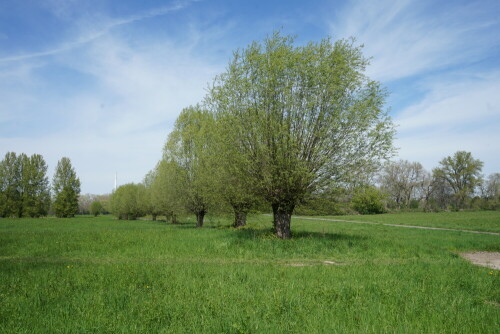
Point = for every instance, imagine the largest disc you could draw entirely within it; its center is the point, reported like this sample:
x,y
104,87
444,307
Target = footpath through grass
x,y
107,276
486,221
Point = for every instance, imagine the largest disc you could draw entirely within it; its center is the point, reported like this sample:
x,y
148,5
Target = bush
x,y
128,201
368,200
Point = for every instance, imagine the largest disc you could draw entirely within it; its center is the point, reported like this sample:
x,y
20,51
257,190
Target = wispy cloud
x,y
456,114
99,30
407,38
117,123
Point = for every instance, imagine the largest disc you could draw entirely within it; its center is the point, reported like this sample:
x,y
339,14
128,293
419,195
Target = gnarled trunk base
x,y
282,218
240,218
199,218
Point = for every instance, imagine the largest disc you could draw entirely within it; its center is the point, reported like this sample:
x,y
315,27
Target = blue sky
x,y
103,81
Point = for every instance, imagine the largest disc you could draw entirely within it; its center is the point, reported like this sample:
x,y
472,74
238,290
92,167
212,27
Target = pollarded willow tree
x,y
187,149
229,184
166,189
304,118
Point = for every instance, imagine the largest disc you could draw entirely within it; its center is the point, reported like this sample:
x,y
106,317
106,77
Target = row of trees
x,y
285,127
283,122
25,189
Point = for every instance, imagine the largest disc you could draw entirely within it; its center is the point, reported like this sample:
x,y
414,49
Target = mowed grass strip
x,y
486,221
109,276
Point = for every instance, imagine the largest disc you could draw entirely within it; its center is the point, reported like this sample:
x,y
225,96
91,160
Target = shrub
x,y
368,200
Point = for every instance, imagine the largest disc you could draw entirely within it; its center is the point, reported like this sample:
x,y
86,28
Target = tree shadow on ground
x,y
253,233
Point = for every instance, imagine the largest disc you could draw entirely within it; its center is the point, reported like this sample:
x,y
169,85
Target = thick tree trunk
x,y
240,217
199,218
154,217
282,218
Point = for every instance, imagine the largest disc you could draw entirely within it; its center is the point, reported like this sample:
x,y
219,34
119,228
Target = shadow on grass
x,y
251,233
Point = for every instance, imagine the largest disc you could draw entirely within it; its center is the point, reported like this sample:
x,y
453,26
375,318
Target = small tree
x,y
96,208
66,186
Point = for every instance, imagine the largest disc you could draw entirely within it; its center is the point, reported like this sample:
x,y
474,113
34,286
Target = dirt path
x,y
397,225
483,259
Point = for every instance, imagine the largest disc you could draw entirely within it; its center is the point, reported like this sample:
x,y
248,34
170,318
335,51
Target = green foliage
x,y
129,201
302,118
148,277
462,173
96,208
323,204
36,192
11,174
66,186
85,201
405,182
187,150
368,200
166,190
24,186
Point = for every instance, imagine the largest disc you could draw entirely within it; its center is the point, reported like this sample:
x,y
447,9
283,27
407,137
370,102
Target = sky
x,y
102,81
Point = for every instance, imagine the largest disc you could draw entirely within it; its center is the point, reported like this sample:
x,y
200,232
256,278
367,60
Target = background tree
x,y
152,204
493,186
166,189
11,174
35,184
403,181
187,147
24,186
96,208
66,186
462,173
304,118
490,189
84,202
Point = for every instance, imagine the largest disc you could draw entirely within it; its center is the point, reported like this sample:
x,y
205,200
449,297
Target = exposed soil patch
x,y
484,259
489,302
327,263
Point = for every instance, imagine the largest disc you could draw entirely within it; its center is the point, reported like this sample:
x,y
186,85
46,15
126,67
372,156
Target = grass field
x,y
488,221
100,275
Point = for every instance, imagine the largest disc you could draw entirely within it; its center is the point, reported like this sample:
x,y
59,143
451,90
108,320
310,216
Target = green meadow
x,y
101,275
485,221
